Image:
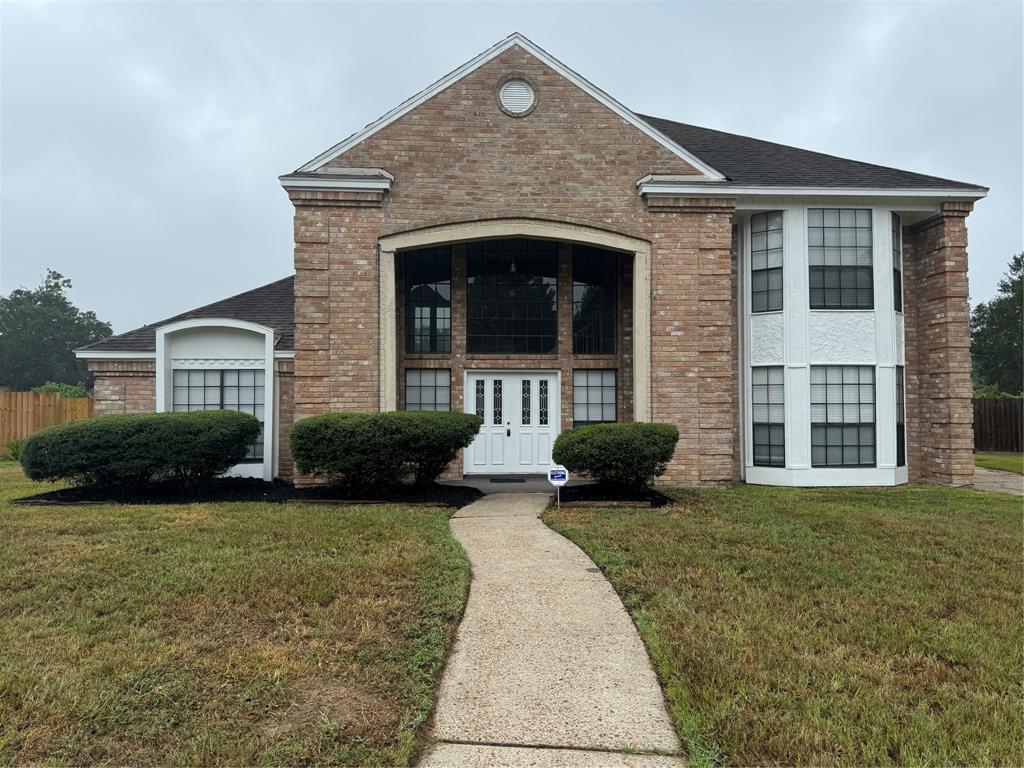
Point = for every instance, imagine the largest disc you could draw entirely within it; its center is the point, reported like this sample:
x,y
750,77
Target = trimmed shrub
x,y
132,450
628,455
64,390
379,450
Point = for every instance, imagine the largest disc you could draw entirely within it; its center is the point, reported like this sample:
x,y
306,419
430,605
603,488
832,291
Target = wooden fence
x,y
999,425
22,413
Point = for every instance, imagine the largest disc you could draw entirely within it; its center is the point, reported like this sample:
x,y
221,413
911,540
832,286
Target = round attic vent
x,y
516,97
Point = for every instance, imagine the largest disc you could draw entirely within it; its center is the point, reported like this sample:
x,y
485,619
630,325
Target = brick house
x,y
514,242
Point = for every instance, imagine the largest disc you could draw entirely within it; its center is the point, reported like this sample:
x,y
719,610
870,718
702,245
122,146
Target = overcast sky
x,y
141,142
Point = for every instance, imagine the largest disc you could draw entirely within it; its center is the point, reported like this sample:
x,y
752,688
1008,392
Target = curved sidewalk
x,y
547,668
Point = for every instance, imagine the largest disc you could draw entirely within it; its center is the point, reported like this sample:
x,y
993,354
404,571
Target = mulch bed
x,y
598,496
250,489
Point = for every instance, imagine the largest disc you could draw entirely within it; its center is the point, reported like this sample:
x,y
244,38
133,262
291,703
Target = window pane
x,y
428,281
845,261
512,288
766,262
593,396
847,402
768,415
594,300
428,389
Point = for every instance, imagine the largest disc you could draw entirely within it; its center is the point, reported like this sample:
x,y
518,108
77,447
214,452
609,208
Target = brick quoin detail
x,y
940,430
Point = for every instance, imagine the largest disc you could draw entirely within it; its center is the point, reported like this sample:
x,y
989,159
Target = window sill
x,y
842,309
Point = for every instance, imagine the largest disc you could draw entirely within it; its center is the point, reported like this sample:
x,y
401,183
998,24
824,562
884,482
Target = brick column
x,y
336,301
940,432
694,361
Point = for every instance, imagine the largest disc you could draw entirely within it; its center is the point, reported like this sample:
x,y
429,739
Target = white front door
x,y
520,412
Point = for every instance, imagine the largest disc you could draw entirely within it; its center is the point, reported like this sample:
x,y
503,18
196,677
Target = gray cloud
x,y
141,142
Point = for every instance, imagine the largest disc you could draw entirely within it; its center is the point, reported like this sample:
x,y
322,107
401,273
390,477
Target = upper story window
x,y
897,263
428,300
839,254
766,262
511,297
594,287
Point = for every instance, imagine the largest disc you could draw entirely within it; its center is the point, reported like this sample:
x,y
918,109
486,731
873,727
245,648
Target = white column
x,y
388,332
642,335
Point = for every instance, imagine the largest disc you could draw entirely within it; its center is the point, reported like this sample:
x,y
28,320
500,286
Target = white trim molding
x,y
165,365
660,185
342,180
100,354
515,39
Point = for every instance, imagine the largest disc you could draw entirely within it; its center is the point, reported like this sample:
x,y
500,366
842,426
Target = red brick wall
x,y
285,416
458,158
940,434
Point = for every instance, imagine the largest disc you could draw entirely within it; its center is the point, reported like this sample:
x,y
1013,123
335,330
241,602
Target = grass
x,y
231,633
1004,462
826,627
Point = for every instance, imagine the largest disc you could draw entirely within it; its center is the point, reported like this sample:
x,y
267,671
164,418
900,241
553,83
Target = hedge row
x,y
135,449
378,450
628,455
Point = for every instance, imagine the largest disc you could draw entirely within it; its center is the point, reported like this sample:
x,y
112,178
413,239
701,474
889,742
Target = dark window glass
x,y
428,389
230,390
897,263
593,397
594,286
768,412
842,416
840,258
901,420
766,262
511,296
428,300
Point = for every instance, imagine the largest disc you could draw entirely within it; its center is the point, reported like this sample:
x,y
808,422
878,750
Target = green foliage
x,y
993,392
378,450
997,335
64,390
14,449
626,455
135,449
39,331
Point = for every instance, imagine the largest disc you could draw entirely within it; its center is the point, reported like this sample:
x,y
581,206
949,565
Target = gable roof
x,y
754,162
515,39
271,305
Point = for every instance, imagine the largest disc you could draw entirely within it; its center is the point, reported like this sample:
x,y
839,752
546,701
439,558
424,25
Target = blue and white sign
x,y
558,475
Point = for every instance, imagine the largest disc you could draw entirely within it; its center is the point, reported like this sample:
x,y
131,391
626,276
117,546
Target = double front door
x,y
520,412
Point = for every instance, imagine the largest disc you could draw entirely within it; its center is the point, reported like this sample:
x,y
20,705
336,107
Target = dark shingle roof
x,y
271,305
763,163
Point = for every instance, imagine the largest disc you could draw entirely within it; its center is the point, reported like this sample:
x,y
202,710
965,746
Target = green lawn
x,y
232,634
827,627
1005,462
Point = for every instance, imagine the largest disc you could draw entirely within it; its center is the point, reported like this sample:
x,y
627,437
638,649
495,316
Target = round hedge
x,y
628,455
379,450
132,450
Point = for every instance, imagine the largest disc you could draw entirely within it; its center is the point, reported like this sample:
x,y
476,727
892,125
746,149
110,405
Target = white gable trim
x,y
512,40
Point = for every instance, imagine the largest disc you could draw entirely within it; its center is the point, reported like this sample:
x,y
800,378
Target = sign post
x,y
558,476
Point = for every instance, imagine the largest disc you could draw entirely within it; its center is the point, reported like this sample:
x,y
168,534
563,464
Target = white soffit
x,y
646,187
512,40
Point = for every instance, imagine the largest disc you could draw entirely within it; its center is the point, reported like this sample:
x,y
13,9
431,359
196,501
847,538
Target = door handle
x,y
508,432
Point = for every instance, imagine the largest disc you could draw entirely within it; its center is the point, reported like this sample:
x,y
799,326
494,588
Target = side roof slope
x,y
755,162
271,305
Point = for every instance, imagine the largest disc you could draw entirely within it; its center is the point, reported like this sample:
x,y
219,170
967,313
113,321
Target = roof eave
x,y
651,185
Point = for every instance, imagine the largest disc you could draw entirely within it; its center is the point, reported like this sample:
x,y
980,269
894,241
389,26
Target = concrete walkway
x,y
994,480
547,669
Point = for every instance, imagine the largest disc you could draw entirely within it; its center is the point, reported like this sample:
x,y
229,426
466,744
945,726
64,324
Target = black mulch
x,y
597,495
250,489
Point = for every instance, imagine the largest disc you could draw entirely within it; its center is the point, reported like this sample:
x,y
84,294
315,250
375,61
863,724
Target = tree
x,y
997,335
39,331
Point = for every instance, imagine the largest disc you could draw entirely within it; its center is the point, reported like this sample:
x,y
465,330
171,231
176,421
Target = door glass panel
x,y
526,402
480,398
497,402
542,407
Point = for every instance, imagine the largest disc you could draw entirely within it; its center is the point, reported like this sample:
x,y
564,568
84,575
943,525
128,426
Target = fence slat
x,y
999,425
22,413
